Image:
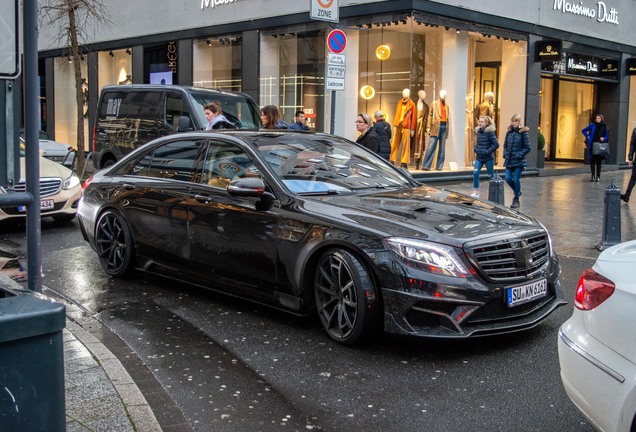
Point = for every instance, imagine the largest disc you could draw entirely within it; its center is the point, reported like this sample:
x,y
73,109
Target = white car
x,y
597,345
53,150
60,190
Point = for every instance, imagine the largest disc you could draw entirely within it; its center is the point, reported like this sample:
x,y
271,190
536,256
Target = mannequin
x,y
420,131
405,123
439,121
486,108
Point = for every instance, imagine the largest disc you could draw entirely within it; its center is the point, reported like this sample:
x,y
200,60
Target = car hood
x,y
424,212
47,169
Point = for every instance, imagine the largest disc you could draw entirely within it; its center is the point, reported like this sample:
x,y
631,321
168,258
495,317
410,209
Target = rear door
x,y
155,192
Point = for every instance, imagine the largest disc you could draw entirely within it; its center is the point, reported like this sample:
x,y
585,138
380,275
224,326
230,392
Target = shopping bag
x,y
600,149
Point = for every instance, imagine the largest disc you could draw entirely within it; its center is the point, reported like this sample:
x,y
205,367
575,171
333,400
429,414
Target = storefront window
x,y
292,74
217,63
114,67
631,119
161,64
65,104
473,68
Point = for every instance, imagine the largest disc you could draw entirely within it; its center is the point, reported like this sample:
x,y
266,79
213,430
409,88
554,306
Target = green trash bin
x,y
32,394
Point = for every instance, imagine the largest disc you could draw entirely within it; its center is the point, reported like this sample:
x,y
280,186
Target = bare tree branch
x,y
75,21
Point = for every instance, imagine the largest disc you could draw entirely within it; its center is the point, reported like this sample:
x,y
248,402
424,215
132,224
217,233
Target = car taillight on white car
x,y
592,290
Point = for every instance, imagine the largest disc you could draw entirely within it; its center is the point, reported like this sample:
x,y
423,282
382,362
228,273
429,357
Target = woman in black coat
x,y
368,138
485,149
516,147
597,131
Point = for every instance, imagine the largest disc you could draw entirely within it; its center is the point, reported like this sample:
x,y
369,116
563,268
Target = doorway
x,y
566,107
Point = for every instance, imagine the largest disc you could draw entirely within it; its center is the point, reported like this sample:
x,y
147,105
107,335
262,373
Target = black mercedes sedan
x,y
313,223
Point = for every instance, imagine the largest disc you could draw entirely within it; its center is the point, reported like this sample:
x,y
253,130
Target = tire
x,y
114,244
63,218
346,298
108,163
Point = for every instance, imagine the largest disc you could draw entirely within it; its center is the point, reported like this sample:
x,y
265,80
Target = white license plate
x,y
526,293
44,205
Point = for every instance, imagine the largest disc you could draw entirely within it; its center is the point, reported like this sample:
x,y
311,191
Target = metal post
x,y
611,229
496,190
332,121
31,120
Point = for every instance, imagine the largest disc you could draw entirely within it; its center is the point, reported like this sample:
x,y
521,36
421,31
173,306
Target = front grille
x,y
48,186
512,259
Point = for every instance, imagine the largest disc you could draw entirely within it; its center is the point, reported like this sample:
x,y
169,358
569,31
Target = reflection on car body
x,y
312,223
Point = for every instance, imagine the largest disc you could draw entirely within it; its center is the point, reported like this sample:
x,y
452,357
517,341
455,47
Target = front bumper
x,y
484,313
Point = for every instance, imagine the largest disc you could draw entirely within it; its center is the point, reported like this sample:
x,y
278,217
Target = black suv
x,y
129,116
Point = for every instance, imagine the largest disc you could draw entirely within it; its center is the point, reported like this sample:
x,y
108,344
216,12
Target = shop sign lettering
x,y
212,3
587,66
172,56
602,13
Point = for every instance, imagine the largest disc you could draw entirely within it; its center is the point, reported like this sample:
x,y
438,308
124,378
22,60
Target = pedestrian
x,y
485,148
368,138
383,129
516,147
632,178
270,117
597,131
299,122
215,117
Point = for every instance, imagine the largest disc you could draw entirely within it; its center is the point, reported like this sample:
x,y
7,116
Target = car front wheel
x,y
114,244
346,297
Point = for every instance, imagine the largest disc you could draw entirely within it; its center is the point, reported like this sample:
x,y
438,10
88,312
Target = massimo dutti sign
x,y
548,51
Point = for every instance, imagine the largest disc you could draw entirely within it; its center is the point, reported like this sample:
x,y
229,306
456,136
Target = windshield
x,y
320,164
241,111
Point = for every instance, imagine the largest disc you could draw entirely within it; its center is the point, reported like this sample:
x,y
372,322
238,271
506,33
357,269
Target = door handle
x,y
128,186
202,198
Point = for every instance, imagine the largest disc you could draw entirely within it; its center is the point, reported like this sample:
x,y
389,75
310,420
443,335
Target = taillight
x,y
87,182
592,290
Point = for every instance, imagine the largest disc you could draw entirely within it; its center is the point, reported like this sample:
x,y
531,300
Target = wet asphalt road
x,y
232,366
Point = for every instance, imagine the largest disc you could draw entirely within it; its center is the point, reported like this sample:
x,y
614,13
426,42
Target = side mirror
x,y
248,187
184,124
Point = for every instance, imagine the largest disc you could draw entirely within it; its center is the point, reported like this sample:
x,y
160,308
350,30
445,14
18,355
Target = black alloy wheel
x,y
114,244
346,297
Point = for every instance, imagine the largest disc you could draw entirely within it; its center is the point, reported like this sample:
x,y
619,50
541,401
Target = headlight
x,y
71,182
431,257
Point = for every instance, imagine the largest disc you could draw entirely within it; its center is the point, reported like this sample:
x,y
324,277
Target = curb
x,y
139,412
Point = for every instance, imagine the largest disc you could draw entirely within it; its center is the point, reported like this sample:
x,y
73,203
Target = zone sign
x,y
325,10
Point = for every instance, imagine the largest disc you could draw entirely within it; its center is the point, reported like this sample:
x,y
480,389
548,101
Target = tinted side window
x,y
176,107
226,162
130,105
177,160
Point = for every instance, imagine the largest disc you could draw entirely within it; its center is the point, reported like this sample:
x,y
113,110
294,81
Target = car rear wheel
x,y
114,244
346,297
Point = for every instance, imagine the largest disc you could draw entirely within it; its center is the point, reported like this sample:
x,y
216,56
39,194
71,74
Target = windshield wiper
x,y
317,193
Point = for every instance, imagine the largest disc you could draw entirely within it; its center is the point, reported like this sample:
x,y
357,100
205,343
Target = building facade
x,y
555,62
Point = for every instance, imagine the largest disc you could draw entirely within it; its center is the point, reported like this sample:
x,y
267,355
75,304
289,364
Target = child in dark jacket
x,y
485,149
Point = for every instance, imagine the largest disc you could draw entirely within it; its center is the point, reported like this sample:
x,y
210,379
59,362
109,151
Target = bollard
x,y
611,229
496,189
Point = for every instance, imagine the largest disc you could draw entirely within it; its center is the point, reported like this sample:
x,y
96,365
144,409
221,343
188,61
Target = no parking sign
x,y
336,41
